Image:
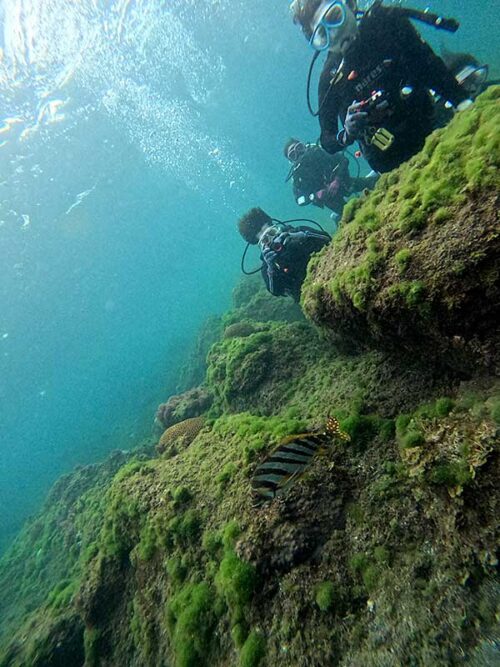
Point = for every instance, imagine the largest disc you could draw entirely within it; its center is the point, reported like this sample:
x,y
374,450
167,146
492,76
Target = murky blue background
x,y
132,136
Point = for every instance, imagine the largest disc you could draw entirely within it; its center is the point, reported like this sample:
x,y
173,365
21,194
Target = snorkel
x,y
335,27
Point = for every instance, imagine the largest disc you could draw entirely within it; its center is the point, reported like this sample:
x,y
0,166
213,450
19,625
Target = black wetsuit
x,y
388,55
288,271
316,170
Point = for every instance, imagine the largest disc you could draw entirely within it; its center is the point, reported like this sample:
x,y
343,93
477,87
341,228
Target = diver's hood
x,y
473,78
456,62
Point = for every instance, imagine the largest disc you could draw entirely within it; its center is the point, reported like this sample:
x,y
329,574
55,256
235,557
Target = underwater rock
x,y
251,301
385,552
258,372
253,304
40,573
55,642
367,558
191,403
241,329
416,263
301,368
284,535
193,371
180,435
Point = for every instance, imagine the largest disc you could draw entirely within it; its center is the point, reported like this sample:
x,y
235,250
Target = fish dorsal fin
x,y
297,436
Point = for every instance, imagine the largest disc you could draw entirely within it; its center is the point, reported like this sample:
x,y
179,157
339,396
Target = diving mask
x,y
268,235
296,152
332,19
473,78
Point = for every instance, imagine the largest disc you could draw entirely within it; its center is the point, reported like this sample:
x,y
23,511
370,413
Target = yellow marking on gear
x,y
382,139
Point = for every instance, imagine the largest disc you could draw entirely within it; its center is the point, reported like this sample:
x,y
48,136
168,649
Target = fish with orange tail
x,y
290,459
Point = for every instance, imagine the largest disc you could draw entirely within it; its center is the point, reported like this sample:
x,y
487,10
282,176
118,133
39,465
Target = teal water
x,y
132,136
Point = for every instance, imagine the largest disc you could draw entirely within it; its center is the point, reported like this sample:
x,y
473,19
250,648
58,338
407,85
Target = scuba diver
x,y
377,77
322,179
470,74
285,250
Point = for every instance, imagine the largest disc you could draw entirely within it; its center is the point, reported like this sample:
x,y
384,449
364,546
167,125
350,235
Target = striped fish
x,y
289,460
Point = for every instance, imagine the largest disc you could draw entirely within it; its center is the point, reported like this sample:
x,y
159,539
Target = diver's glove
x,y
333,187
355,123
360,114
269,256
285,237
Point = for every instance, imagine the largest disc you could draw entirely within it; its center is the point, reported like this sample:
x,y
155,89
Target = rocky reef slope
x,y
417,265
386,551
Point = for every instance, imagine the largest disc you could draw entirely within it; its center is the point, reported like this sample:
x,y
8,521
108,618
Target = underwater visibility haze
x,y
133,135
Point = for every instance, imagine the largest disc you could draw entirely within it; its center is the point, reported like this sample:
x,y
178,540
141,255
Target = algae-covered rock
x,y
385,552
290,364
258,371
193,370
180,435
251,301
56,640
191,403
418,259
41,572
184,570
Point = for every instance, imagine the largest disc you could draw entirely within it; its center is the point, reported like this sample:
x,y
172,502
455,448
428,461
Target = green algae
x,y
183,530
452,474
365,567
236,582
361,562
226,474
212,543
239,634
62,595
147,543
253,650
403,259
494,410
181,495
91,646
364,429
230,534
176,570
382,555
412,292
324,595
191,617
407,430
